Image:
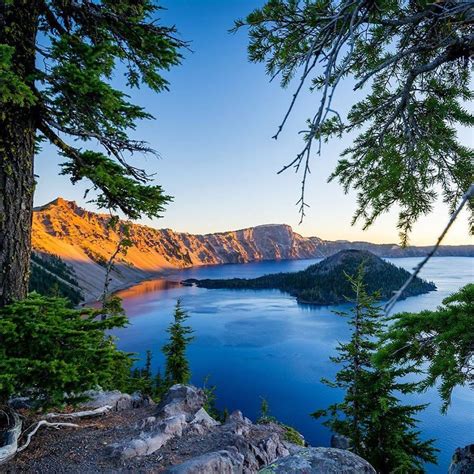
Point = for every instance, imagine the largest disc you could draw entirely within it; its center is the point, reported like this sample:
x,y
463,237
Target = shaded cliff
x,y
84,240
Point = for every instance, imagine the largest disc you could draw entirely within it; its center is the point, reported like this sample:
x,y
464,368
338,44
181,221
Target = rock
x,y
228,461
293,448
320,460
18,403
203,418
237,416
265,452
190,439
237,423
117,400
202,422
149,442
340,442
182,399
462,461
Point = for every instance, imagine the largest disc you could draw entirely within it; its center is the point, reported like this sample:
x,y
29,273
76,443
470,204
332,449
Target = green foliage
x,y
119,191
442,339
78,49
265,412
143,381
210,404
290,435
326,283
410,60
379,427
53,353
13,90
50,276
177,365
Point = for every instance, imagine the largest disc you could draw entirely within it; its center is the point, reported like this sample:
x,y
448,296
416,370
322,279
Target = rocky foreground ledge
x,y
176,436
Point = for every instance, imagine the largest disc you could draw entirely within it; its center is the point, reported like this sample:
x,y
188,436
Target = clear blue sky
x,y
213,131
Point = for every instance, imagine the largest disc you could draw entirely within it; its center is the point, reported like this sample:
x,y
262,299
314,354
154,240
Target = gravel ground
x,y
84,450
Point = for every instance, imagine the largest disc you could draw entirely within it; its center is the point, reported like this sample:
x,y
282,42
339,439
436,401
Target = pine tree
x,y
177,366
147,368
379,427
57,60
146,376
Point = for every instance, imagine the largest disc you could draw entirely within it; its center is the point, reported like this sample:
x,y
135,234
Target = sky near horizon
x,y
213,132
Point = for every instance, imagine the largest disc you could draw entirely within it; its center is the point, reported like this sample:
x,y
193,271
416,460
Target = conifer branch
x,y
391,303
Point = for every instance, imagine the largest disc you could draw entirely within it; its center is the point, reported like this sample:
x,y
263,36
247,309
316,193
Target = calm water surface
x,y
263,343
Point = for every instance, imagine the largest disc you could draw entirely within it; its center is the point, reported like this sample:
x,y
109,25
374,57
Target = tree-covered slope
x,y
50,276
325,283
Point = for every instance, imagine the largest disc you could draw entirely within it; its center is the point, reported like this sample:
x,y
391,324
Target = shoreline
x,y
163,274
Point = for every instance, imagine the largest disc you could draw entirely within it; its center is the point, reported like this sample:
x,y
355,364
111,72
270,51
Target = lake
x,y
255,344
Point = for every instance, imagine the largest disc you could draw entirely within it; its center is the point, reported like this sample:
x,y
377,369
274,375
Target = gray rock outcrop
x,y
318,461
228,461
117,400
340,442
462,461
182,399
237,445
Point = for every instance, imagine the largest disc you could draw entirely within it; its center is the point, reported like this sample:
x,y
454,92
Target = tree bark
x,y
18,29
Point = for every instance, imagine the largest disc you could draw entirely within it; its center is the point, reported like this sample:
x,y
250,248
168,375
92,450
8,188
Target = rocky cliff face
x,y
84,240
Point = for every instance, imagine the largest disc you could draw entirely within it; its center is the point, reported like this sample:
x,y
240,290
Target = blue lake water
x,y
255,344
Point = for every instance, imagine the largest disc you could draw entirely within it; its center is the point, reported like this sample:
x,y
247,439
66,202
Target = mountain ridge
x,y
83,240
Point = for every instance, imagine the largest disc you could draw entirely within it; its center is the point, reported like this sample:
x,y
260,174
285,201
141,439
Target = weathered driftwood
x,y
10,447
39,425
10,442
82,414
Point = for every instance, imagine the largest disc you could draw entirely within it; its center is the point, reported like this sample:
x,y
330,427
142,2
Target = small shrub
x,y
291,435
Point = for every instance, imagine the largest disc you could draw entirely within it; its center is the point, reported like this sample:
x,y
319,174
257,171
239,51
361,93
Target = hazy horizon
x,y
213,132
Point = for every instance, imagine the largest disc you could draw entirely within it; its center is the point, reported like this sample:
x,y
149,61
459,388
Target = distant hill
x,y
325,283
83,240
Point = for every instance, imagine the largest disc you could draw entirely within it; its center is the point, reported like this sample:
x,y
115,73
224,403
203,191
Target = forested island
x,y
326,283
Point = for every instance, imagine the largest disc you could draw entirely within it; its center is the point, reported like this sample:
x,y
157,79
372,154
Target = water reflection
x,y
147,288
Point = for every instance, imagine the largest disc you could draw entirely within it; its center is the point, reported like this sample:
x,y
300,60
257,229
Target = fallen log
x,y
9,445
82,414
39,425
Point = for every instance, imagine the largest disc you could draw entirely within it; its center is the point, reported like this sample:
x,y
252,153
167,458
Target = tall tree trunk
x,y
18,28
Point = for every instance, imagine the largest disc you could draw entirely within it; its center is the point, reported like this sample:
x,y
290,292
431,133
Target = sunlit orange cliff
x,y
84,240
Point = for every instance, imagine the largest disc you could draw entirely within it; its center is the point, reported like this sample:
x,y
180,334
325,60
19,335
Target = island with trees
x,y
326,283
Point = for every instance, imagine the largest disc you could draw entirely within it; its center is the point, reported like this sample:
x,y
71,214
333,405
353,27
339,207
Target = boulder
x,y
462,461
320,460
259,444
238,424
117,400
265,452
228,461
203,418
202,422
340,441
149,442
181,399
